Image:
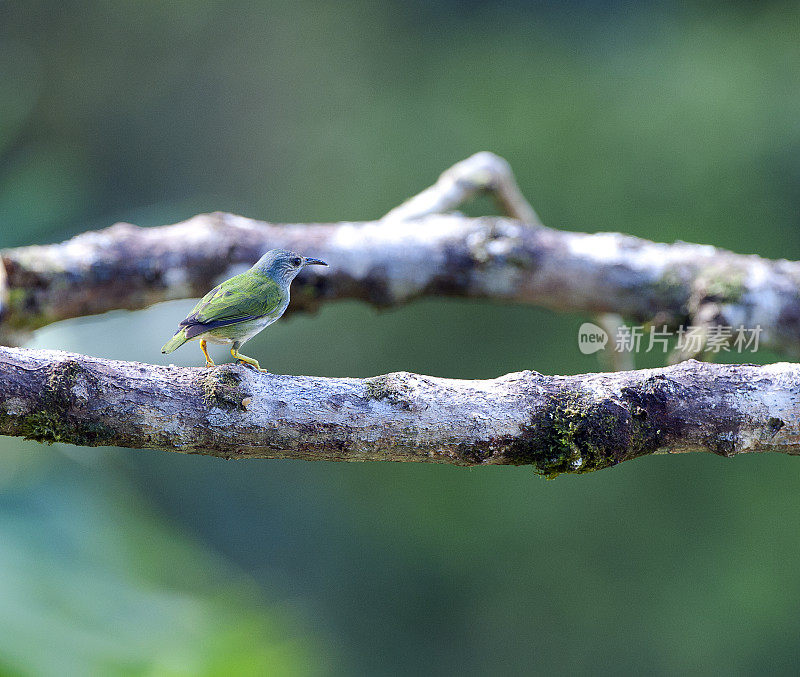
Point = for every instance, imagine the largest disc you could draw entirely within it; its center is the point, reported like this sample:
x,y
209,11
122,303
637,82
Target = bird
x,y
235,311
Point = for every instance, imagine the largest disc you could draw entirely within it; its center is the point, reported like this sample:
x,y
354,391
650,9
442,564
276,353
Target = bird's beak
x,y
308,261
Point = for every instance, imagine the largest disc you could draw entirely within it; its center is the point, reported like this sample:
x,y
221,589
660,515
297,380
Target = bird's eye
x,y
296,261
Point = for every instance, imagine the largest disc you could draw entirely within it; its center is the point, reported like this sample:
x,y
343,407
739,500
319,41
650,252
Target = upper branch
x,y
412,253
554,423
389,264
480,173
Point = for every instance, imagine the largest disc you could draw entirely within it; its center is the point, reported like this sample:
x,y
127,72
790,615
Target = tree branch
x,y
414,252
481,173
556,424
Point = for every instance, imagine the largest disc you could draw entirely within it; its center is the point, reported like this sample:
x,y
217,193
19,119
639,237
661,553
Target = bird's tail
x,y
175,342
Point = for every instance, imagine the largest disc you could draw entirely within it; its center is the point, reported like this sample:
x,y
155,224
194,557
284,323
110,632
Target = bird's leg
x,y
209,361
246,360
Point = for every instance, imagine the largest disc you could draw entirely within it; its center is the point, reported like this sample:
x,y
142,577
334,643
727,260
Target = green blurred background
x,y
668,121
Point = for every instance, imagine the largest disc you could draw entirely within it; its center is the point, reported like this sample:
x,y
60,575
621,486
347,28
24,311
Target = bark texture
x,y
556,424
413,252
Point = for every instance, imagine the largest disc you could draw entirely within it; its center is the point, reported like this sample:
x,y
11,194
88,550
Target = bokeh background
x,y
667,121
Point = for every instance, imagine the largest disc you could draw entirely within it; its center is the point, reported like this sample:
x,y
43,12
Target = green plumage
x,y
251,294
236,310
175,342
242,300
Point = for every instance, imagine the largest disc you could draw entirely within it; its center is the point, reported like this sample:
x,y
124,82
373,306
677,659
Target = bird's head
x,y
282,265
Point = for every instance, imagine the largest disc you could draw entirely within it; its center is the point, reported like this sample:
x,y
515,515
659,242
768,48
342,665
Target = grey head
x,y
282,265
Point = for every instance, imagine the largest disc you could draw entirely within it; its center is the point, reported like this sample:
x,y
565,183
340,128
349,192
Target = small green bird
x,y
236,310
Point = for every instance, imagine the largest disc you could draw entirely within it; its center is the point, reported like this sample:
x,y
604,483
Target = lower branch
x,y
556,424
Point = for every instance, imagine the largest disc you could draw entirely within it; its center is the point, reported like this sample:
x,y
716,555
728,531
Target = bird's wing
x,y
243,297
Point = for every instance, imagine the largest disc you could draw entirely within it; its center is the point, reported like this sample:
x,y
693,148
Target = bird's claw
x,y
256,367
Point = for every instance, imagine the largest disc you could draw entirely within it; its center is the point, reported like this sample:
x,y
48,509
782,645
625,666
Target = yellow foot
x,y
249,361
209,361
254,366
